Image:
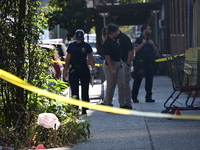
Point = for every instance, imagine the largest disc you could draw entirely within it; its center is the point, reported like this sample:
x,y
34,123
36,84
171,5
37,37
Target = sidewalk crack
x,y
148,131
149,134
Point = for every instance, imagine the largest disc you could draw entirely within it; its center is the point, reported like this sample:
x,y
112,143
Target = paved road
x,y
119,132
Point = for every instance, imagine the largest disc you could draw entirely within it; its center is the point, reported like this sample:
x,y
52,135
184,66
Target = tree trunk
x,y
19,101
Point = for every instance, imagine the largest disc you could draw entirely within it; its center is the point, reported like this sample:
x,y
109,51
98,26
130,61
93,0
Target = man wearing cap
x,y
76,67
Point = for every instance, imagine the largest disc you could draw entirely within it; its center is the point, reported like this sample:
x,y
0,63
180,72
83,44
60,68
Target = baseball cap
x,y
79,34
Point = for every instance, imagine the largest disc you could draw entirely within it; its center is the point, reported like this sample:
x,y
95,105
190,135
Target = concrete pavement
x,y
123,132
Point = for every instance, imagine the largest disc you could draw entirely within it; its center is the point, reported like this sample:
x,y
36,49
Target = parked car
x,y
60,47
56,68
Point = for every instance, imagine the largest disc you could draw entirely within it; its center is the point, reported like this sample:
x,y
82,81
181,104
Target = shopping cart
x,y
184,76
96,91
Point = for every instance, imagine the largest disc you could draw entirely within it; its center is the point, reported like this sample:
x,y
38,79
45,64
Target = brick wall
x,y
177,25
178,44
196,20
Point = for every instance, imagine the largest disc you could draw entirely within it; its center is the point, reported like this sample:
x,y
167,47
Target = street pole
x,y
104,15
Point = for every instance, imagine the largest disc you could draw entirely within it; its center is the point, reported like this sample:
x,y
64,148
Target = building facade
x,y
181,26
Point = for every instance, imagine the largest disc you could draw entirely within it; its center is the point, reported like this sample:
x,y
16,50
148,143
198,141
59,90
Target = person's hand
x,y
93,72
65,74
144,41
127,66
150,42
114,71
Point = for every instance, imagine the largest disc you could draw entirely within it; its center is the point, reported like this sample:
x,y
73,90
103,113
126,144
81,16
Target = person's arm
x,y
129,46
155,48
130,58
139,47
91,63
91,60
108,59
66,67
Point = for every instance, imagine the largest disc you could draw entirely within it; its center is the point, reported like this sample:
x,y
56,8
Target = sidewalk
x,y
120,132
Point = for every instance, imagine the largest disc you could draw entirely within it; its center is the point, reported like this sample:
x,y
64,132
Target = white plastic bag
x,y
48,120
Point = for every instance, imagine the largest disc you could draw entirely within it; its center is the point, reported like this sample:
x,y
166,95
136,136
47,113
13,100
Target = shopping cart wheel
x,y
168,111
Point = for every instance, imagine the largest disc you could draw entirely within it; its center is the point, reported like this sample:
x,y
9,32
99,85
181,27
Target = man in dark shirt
x,y
144,63
126,56
76,66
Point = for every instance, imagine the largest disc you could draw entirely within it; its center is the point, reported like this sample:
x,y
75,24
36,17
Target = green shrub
x,y
21,24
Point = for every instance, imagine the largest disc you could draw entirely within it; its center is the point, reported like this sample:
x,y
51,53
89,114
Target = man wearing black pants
x,y
127,57
144,63
76,67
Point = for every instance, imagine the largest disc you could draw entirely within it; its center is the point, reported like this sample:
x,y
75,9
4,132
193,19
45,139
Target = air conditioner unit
x,y
162,23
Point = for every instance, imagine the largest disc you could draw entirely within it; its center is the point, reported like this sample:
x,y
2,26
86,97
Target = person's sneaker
x,y
150,100
135,100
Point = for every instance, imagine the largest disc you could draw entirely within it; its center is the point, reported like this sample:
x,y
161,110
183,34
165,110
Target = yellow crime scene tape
x,y
157,60
63,62
19,82
169,58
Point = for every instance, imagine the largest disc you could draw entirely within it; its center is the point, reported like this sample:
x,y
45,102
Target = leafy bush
x,y
72,129
21,24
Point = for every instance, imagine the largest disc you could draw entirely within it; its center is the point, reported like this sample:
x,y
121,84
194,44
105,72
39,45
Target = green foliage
x,y
21,24
71,15
72,130
128,30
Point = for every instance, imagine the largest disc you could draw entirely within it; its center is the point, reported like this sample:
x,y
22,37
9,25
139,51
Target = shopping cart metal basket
x,y
185,76
96,91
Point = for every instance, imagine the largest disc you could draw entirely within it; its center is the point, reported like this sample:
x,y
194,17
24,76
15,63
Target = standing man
x,y
144,63
126,56
76,61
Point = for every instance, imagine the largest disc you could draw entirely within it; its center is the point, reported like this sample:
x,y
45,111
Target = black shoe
x,y
126,107
101,104
111,105
150,100
135,100
129,107
84,112
122,107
